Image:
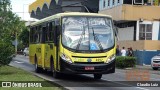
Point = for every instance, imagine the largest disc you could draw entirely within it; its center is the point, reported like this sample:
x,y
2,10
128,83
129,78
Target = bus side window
x,y
36,36
31,35
43,34
51,33
47,33
40,33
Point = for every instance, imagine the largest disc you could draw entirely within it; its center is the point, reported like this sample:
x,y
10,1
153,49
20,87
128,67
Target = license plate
x,y
156,65
89,68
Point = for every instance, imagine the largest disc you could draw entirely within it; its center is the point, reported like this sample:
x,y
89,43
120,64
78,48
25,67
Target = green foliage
x,y
24,37
10,27
125,62
20,46
6,53
10,22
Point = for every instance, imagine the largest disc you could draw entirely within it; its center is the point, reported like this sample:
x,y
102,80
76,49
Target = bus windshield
x,y
87,33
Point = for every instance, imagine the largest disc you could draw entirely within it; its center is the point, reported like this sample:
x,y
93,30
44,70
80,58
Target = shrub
x,y
125,62
6,53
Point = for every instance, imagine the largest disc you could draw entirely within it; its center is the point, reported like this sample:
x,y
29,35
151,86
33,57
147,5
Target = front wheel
x,y
55,73
97,76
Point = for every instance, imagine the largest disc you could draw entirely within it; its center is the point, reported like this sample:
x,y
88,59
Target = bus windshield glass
x,y
87,33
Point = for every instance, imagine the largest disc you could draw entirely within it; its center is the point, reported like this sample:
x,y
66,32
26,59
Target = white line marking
x,y
150,77
126,84
18,62
121,83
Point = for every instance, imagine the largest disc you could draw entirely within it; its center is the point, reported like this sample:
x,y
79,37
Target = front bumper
x,y
80,68
157,65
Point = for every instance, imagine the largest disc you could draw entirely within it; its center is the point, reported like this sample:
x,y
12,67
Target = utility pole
x,y
16,43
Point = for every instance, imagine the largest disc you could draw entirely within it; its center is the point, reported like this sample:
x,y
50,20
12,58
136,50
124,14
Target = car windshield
x,y
87,33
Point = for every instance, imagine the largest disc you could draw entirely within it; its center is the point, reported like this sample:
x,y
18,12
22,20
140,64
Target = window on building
x,y
104,3
138,2
108,2
113,2
145,32
118,1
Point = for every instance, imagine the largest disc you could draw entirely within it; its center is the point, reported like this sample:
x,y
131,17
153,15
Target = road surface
x,y
87,82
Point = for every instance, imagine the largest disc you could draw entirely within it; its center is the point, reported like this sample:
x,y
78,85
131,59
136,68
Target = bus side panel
x,y
52,52
47,55
32,51
55,57
41,57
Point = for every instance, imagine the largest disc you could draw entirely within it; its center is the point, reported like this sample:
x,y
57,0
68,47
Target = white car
x,y
26,51
155,62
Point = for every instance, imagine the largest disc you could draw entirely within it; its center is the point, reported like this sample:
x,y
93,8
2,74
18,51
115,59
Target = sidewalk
x,y
141,67
145,67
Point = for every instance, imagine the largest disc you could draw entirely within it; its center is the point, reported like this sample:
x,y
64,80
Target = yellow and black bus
x,y
78,43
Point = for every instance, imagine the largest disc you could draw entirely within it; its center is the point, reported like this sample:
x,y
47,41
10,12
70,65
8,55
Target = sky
x,y
20,6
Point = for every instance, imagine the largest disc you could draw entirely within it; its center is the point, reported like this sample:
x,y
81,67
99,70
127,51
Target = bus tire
x,y
37,69
55,73
97,76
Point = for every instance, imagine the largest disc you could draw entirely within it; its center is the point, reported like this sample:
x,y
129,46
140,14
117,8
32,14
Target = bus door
x,y
47,46
56,44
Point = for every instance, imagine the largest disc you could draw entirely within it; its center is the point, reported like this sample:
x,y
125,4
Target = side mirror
x,y
115,31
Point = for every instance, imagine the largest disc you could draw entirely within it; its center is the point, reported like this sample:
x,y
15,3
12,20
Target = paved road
x,y
87,82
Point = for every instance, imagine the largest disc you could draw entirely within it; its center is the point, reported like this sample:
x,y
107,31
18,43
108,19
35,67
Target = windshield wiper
x,y
80,40
97,40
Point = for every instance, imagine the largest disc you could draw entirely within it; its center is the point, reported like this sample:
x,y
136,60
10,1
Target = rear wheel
x,y
37,69
97,76
154,68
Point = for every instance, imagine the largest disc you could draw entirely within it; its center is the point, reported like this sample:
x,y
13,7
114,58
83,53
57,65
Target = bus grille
x,y
89,62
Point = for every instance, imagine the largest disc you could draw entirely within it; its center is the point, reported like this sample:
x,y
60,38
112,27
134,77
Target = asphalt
x,y
116,81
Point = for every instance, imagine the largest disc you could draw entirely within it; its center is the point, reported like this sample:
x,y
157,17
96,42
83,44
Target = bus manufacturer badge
x,y
89,60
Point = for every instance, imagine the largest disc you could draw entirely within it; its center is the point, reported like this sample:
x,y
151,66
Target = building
x,y
44,8
139,25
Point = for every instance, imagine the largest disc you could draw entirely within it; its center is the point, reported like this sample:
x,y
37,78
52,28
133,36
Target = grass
x,y
8,73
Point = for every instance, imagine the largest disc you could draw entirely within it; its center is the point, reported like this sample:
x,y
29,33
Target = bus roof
x,y
68,14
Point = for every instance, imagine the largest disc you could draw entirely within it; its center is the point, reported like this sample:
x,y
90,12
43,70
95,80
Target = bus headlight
x,y
66,58
111,58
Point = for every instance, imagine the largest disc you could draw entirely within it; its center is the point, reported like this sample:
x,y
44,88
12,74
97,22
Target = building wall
x,y
141,44
133,12
144,57
144,50
125,33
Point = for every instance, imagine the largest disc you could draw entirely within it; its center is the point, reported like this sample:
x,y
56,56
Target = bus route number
x,y
99,60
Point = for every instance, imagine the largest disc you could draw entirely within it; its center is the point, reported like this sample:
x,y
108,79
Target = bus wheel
x,y
97,76
37,69
55,73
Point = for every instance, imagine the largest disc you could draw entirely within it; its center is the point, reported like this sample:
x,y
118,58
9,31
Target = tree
x,y
10,27
6,55
24,37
